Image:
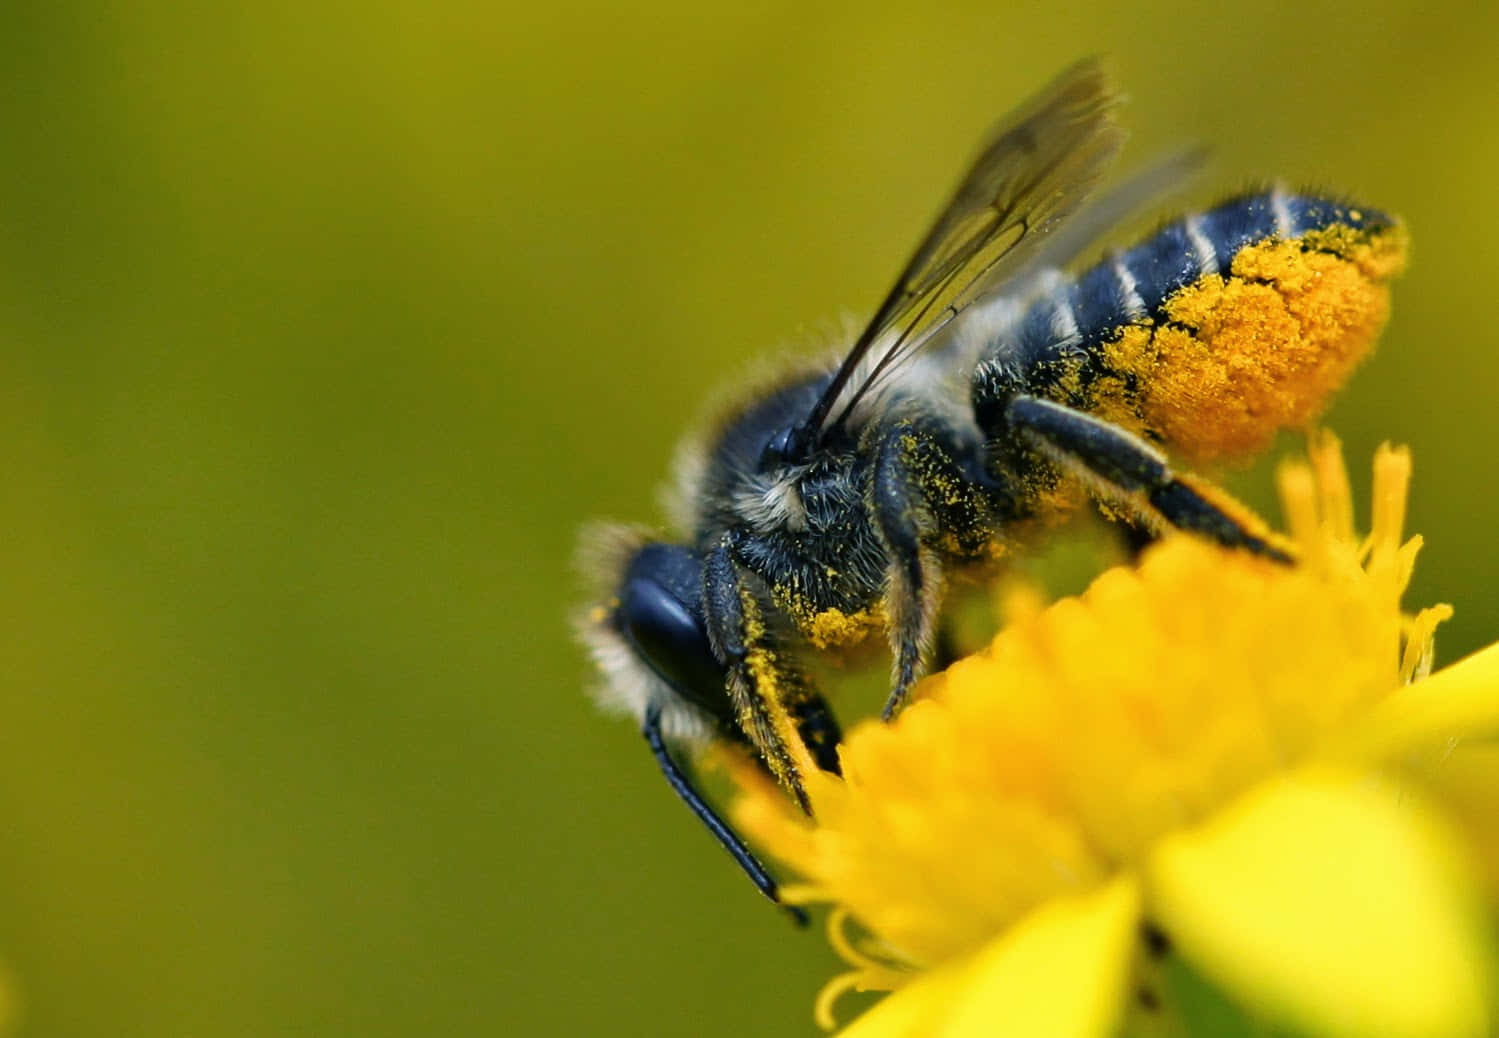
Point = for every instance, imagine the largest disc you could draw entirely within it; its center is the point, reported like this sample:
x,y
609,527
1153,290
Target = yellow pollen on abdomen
x,y
1241,357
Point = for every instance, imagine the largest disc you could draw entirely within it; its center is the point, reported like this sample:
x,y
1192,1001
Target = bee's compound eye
x,y
779,450
663,621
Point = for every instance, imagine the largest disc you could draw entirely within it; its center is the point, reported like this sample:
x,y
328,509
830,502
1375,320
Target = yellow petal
x,y
1460,701
1465,780
1333,901
915,1011
1060,971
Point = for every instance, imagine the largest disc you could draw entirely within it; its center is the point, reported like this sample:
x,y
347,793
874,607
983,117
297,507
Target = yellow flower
x,y
1242,761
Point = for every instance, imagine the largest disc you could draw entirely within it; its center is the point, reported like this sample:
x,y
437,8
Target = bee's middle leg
x,y
919,493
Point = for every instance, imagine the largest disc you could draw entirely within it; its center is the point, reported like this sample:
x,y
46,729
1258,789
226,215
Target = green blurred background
x,y
322,326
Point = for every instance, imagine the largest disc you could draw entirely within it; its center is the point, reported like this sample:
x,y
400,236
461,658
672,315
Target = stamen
x,y
1298,497
1392,479
832,991
1326,454
1420,642
869,974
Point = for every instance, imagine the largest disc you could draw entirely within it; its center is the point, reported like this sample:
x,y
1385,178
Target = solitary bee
x,y
990,393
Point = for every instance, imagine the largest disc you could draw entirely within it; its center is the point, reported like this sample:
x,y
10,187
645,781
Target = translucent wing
x,y
1039,164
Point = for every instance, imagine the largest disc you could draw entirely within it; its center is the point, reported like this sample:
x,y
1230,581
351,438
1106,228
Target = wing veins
x,y
1003,203
905,346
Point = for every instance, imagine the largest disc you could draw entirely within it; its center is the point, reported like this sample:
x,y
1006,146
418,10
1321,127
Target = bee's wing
x,y
1148,187
1038,165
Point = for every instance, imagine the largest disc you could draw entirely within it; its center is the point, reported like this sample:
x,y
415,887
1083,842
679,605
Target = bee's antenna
x,y
682,786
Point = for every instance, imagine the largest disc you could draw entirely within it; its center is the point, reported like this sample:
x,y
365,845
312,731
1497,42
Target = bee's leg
x,y
918,489
945,650
789,723
1136,475
727,837
1134,534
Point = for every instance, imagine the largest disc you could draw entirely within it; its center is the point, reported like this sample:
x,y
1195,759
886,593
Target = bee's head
x,y
650,637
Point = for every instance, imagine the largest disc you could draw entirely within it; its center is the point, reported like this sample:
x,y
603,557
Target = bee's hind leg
x,y
1127,470
1131,531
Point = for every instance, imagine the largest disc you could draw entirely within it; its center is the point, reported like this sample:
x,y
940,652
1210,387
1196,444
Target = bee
x,y
991,393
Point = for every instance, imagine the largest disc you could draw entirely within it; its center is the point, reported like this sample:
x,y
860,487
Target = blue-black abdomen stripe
x,y
1078,314
1104,297
1241,222
1167,261
1163,263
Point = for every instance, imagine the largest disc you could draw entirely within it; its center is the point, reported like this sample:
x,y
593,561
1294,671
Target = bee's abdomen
x,y
1217,330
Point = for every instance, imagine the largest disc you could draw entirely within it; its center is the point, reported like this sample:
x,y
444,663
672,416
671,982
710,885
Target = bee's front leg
x,y
787,720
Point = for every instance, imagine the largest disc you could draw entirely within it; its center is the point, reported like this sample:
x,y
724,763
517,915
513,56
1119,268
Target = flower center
x,y
1089,730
